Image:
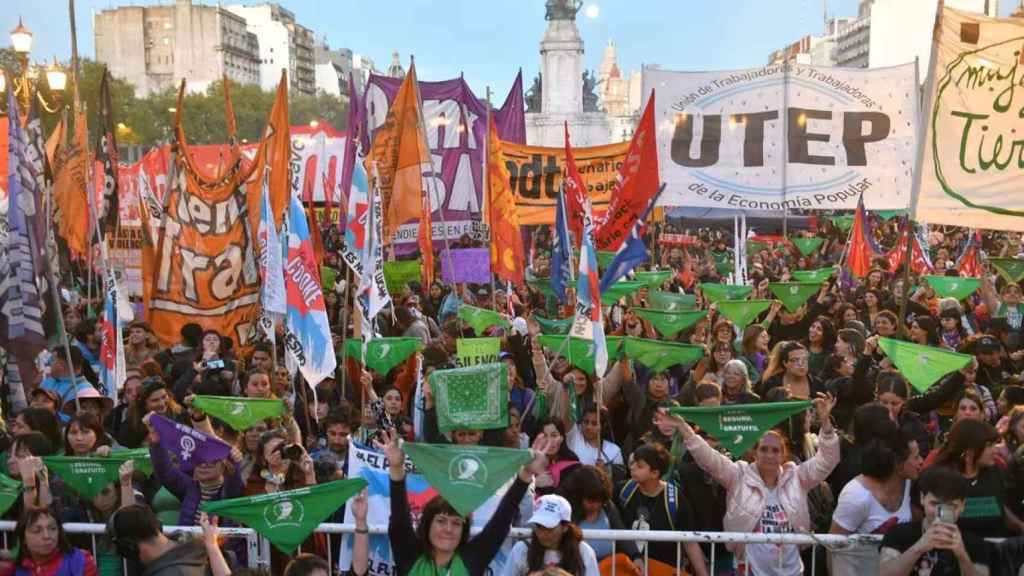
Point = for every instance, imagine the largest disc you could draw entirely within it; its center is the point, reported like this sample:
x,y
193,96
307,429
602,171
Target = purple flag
x,y
456,130
190,445
353,144
472,266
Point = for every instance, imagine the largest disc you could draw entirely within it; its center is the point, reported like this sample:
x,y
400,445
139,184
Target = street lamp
x,y
56,78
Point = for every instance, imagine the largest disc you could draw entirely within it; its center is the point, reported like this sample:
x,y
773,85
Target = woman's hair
x,y
966,437
294,475
750,336
828,332
29,517
149,387
779,357
893,382
853,338
220,339
35,443
86,421
881,455
841,312
1015,415
437,505
931,328
971,396
654,455
715,347
586,483
568,549
871,422
707,389
43,421
1014,395
780,435
564,452
723,323
877,294
741,367
888,315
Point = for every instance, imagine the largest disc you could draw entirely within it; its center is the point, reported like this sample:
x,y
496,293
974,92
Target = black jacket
x,y
188,558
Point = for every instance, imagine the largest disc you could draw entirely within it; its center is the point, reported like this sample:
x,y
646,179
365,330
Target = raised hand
x,y
393,452
360,506
824,404
125,471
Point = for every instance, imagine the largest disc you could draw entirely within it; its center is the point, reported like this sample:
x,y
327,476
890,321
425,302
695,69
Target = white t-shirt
x,y
773,559
611,453
858,511
516,564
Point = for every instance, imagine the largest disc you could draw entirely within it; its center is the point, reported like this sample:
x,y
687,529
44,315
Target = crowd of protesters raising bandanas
x,y
811,401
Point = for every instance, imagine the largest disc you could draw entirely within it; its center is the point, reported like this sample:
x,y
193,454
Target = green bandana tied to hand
x,y
383,354
1010,268
806,245
953,286
553,326
10,489
671,301
287,518
740,426
480,319
667,323
818,276
794,294
474,397
716,292
743,312
466,476
654,278
658,355
922,365
87,476
238,412
580,351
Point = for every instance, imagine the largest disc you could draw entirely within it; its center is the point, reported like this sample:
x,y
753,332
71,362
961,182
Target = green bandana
x,y
806,245
620,289
740,426
717,292
383,354
399,273
843,222
10,489
87,476
654,278
580,351
466,476
723,262
287,518
743,312
922,365
794,294
953,286
553,326
889,214
238,412
671,301
475,397
658,355
424,566
473,351
1010,268
668,324
480,319
818,276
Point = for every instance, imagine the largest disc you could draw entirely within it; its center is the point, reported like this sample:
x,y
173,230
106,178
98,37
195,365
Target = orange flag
x,y
397,156
507,253
68,161
274,152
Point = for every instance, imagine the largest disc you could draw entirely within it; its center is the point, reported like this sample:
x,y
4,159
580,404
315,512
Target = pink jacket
x,y
746,493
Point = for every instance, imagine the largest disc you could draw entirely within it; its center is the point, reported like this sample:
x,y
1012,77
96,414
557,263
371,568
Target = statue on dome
x,y
562,9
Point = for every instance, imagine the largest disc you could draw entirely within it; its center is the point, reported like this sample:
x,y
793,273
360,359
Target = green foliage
x,y
148,121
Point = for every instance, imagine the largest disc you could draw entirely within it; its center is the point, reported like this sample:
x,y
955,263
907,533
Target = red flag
x,y
969,264
919,263
636,185
859,254
574,192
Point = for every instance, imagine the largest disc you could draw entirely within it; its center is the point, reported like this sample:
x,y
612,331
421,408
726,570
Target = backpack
x,y
670,496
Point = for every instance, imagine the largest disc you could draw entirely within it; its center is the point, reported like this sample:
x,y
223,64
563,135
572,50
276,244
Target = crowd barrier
x,y
259,548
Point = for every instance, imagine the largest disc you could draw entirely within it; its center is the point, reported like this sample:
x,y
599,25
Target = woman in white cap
x,y
556,541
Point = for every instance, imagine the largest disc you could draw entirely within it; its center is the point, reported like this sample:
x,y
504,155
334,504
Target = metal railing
x,y
258,548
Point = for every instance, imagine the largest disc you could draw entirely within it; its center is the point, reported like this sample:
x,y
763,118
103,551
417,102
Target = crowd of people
x,y
939,473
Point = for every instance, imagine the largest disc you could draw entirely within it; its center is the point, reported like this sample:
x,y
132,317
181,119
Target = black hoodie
x,y
187,558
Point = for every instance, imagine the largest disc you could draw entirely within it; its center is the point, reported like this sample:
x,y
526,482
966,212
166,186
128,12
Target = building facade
x,y
619,96
283,44
155,47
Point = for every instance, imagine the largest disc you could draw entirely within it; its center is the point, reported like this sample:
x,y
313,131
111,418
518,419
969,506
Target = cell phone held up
x,y
213,364
383,420
944,513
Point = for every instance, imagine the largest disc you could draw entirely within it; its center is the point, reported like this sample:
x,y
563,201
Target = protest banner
x,y
466,265
474,397
848,131
473,351
970,153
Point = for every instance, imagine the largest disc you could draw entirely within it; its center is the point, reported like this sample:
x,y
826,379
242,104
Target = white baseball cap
x,y
551,510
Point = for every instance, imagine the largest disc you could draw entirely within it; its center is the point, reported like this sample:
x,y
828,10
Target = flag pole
x,y
487,194
915,188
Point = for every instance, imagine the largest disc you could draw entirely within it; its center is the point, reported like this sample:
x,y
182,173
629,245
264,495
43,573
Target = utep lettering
x,y
855,137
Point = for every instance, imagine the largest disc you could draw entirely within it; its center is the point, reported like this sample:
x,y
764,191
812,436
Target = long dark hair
x,y
564,452
86,421
568,548
438,505
586,483
966,437
43,421
28,517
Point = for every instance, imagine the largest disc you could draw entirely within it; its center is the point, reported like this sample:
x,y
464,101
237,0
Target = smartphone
x,y
383,420
944,513
214,364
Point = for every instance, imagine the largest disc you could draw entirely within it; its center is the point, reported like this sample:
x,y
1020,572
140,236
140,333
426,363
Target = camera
x,y
290,451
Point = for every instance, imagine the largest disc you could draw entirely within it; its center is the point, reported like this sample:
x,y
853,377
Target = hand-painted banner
x,y
535,176
970,171
848,131
456,126
470,265
473,351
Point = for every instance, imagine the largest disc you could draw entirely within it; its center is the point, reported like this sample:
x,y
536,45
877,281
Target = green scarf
x,y
424,566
